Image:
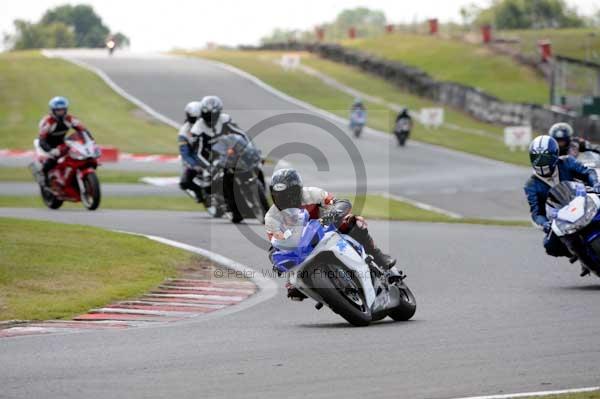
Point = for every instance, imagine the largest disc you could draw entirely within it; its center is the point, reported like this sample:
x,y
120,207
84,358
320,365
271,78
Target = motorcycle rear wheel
x,y
50,200
90,197
352,308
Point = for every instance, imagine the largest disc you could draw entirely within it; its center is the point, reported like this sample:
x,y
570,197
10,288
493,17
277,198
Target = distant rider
x,y
188,149
403,125
563,133
52,131
287,191
357,111
211,125
549,169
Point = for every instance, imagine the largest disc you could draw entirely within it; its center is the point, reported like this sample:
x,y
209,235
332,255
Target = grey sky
x,y
162,25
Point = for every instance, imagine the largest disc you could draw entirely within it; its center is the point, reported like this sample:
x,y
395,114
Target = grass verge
x,y
572,42
457,61
312,90
376,207
28,80
55,271
11,174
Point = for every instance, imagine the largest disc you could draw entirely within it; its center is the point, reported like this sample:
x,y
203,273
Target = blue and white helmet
x,y
543,154
58,102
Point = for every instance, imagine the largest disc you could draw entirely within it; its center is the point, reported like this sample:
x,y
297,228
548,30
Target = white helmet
x,y
192,111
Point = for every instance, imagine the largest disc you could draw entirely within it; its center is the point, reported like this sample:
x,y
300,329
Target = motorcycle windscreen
x,y
296,239
235,152
292,222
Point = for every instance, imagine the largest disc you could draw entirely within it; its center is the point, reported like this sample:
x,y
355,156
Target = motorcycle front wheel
x,y
90,197
342,293
260,204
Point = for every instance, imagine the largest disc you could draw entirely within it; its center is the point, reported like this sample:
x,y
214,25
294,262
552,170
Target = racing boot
x,y
294,293
361,234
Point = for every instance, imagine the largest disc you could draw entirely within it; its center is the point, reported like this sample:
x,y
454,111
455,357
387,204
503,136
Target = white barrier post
x,y
432,117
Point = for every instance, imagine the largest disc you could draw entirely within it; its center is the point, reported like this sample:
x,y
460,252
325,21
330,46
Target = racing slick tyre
x,y
408,305
342,294
50,200
90,197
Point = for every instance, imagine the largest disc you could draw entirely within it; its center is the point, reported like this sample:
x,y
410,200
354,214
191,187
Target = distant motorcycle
x,y
111,45
334,270
358,119
575,214
236,186
402,130
74,176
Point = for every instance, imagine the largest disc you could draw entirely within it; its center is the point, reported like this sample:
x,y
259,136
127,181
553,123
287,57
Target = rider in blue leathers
x,y
550,169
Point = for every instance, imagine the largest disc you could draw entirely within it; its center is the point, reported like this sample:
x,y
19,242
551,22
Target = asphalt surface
x,y
465,184
494,315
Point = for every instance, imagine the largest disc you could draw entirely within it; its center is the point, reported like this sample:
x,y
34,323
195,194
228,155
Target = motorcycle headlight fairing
x,y
570,227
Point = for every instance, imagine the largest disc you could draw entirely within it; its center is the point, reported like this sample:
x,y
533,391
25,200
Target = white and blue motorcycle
x,y
575,213
333,269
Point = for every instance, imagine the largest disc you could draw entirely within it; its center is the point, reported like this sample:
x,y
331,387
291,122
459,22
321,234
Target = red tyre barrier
x,y
109,154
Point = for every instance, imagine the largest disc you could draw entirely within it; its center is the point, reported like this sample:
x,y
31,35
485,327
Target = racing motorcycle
x,y
574,211
358,119
74,176
402,131
111,45
235,187
333,269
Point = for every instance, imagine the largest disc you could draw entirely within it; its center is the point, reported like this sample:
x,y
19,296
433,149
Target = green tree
x,y
90,31
63,26
528,14
366,21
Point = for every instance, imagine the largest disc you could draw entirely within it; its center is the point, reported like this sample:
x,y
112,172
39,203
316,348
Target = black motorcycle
x,y
237,185
402,130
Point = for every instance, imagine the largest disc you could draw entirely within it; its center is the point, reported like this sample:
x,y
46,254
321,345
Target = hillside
x,y
456,61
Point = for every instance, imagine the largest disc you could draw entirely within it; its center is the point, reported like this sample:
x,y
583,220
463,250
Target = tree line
x,y
502,14
63,27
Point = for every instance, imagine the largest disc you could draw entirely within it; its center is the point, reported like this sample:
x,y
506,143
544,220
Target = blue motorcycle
x,y
333,269
575,214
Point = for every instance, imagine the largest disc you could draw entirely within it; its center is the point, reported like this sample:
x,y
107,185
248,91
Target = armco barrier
x,y
476,103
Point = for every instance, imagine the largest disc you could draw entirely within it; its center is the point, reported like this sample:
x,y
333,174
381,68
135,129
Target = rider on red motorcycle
x,y
53,129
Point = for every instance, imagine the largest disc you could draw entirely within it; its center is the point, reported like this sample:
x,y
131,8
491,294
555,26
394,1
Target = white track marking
x,y
534,394
422,205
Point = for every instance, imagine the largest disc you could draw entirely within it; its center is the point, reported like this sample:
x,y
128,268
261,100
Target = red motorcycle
x,y
74,176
